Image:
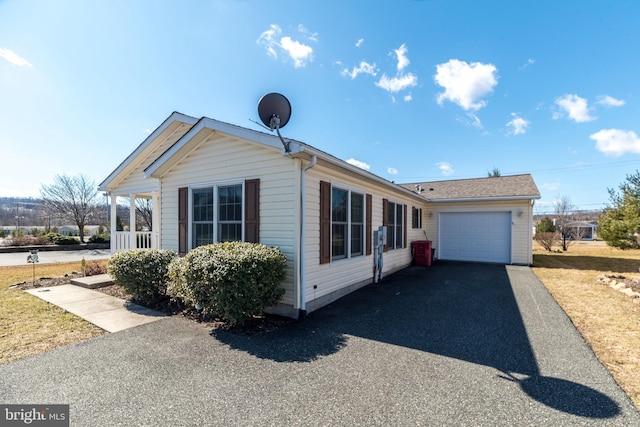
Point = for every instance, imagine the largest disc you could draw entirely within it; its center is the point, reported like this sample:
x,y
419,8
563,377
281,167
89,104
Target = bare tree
x,y
546,239
563,210
144,209
71,198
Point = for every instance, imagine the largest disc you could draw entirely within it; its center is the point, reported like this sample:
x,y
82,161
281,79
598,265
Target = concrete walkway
x,y
109,313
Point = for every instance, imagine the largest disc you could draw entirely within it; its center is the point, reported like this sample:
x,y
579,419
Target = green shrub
x,y
142,273
66,240
233,281
59,239
99,238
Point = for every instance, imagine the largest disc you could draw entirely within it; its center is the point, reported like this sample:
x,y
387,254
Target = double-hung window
x,y
347,223
216,214
395,226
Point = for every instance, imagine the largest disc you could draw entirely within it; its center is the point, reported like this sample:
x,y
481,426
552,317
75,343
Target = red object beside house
x,y
421,250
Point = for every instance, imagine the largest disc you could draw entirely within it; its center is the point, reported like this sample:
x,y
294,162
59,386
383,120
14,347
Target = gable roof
x,y
197,130
513,187
173,127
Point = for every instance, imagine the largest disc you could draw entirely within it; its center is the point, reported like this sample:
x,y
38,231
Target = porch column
x,y
155,220
112,222
132,221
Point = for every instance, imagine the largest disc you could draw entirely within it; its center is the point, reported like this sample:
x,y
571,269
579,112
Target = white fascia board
x,y
175,116
308,150
483,199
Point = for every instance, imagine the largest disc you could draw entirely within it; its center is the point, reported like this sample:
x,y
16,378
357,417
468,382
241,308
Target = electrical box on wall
x,y
382,235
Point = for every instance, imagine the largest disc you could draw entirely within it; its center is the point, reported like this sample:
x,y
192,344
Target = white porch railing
x,y
121,240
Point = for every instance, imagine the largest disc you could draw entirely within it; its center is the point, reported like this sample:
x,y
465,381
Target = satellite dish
x,y
274,106
274,110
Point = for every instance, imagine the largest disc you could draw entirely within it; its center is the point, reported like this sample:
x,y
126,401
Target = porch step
x,y
93,282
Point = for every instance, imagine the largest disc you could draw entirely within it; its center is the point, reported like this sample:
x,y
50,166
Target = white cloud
x,y
616,142
147,131
407,98
610,101
358,163
471,120
269,39
465,84
445,168
359,42
526,64
398,83
401,54
300,53
308,34
518,124
575,107
363,68
14,59
392,171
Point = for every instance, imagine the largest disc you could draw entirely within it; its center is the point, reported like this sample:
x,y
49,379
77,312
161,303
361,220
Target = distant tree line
x,y
69,200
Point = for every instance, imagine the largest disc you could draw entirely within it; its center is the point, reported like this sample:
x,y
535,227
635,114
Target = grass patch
x,y
607,319
29,325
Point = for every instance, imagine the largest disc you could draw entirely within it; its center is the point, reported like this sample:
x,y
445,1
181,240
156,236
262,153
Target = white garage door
x,y
475,236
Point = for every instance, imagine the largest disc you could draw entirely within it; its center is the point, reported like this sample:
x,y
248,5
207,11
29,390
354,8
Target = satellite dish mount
x,y
274,110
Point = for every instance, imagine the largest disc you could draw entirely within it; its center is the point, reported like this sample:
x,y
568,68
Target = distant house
x,y
89,230
582,230
211,181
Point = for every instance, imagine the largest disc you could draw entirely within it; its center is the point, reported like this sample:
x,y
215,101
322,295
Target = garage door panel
x,y
475,236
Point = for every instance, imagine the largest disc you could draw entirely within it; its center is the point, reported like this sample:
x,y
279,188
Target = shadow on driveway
x,y
464,311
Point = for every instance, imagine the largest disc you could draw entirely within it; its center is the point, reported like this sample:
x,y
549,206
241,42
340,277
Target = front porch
x,y
134,238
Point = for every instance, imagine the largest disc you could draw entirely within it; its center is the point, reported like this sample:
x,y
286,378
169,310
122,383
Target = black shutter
x,y
183,220
404,225
252,211
325,222
385,220
369,221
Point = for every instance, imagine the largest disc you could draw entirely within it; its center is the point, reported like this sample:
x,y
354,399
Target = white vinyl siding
x,y
222,159
324,279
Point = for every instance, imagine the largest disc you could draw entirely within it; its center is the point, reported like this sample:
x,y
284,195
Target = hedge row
x,y
232,281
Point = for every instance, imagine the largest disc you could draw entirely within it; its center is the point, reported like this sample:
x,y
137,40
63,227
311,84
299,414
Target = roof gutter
x,y
302,150
483,199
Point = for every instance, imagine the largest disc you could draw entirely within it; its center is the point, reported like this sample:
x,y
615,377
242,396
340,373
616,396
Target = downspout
x,y
303,235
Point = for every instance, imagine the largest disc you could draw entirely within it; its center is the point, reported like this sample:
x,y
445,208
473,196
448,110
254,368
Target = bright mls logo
x,y
35,415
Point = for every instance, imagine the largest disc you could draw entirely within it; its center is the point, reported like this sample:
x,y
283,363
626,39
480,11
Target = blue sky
x,y
410,90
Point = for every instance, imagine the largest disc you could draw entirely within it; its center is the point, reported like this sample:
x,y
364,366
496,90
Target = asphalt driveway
x,y
455,344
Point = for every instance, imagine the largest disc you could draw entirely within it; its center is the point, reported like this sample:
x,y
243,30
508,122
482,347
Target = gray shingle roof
x,y
502,187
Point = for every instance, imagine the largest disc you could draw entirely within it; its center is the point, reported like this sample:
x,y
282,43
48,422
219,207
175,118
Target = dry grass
x,y
29,325
606,318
